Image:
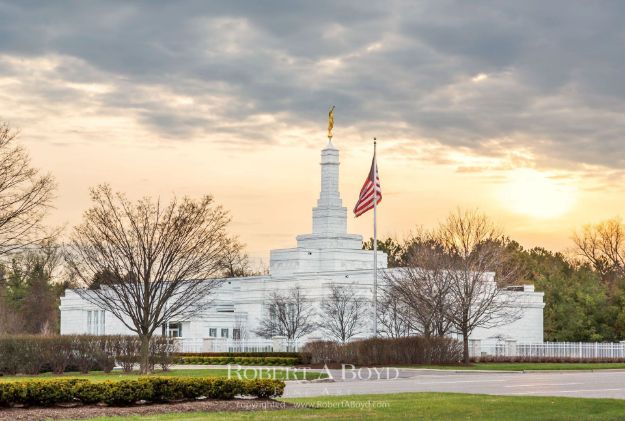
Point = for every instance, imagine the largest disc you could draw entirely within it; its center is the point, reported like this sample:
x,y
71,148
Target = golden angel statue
x,y
330,122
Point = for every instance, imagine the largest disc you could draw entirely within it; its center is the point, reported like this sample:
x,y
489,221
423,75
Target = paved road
x,y
598,384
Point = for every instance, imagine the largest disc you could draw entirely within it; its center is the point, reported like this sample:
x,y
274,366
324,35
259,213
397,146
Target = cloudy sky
x,y
512,107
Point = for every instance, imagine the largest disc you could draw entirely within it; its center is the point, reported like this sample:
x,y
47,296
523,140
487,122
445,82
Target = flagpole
x,y
375,241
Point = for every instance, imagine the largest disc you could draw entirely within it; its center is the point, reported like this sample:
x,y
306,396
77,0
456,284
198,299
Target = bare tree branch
x,y
25,196
394,317
289,314
343,313
423,286
603,246
235,262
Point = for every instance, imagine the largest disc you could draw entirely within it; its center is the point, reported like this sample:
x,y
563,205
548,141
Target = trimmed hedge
x,y
388,351
32,354
279,361
128,392
301,357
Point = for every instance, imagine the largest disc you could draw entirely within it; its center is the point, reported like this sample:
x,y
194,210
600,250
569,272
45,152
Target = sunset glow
x,y
532,193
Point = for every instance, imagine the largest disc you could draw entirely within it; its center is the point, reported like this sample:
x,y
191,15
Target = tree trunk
x,y
144,358
465,347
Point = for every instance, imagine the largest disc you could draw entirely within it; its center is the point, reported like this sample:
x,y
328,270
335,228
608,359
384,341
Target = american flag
x,y
367,192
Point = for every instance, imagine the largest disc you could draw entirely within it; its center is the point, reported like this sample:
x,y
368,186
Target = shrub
x,y
128,392
50,392
388,351
84,350
279,361
264,388
127,351
30,352
161,352
225,388
166,389
104,352
10,357
22,354
91,393
13,393
58,353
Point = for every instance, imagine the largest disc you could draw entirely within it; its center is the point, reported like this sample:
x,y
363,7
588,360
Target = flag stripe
x,y
370,189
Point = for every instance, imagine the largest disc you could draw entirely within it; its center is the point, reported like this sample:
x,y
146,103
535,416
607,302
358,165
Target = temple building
x,y
327,256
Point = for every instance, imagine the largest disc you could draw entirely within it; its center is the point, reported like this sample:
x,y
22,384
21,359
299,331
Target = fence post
x,y
208,345
279,343
511,350
475,348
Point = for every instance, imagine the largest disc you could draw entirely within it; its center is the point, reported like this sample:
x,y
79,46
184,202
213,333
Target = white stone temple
x,y
327,256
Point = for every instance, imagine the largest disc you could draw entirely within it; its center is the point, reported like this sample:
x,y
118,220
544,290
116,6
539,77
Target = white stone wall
x,y
526,328
247,297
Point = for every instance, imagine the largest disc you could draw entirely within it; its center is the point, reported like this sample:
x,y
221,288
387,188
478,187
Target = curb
x,y
592,370
440,370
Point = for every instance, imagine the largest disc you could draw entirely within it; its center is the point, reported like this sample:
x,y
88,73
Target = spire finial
x,y
330,122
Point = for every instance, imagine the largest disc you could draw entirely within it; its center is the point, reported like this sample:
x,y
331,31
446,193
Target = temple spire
x,y
329,216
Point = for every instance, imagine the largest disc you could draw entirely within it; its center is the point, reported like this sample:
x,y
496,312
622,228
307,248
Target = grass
x,y
98,376
421,406
527,366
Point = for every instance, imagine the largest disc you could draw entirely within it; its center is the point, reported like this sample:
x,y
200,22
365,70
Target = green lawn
x,y
528,366
424,406
97,376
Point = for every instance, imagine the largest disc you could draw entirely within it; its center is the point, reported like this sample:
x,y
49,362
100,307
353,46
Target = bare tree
x,y
393,315
344,313
603,245
473,245
240,324
289,314
25,196
423,286
160,260
235,262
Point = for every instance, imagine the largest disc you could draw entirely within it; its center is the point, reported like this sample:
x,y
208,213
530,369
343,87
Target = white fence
x,y
510,348
276,344
477,348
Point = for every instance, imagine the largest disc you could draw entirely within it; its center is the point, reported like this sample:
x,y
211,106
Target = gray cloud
x,y
553,71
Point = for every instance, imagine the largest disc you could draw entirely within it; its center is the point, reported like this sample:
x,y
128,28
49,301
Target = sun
x,y
536,194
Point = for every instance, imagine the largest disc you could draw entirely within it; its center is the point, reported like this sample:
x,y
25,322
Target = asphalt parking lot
x,y
584,384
